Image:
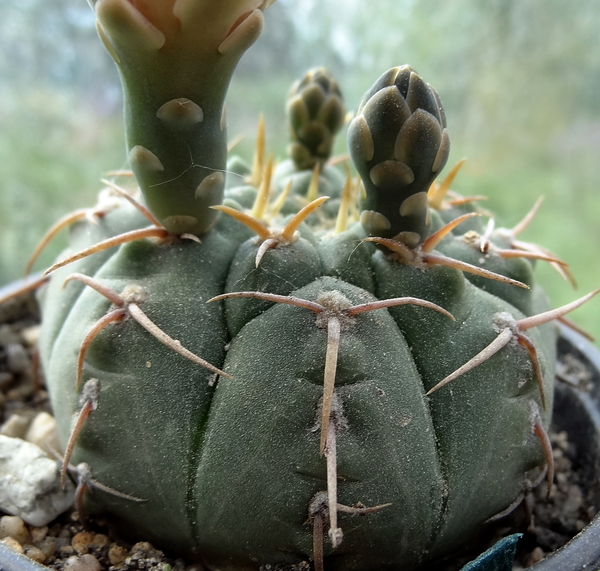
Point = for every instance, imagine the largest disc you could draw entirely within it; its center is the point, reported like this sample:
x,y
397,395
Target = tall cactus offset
x,y
241,399
176,60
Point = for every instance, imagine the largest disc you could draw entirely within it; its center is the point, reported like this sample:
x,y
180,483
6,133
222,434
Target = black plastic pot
x,y
10,560
575,411
578,413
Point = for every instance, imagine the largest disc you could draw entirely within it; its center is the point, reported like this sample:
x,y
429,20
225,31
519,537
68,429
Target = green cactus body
x,y
322,411
234,464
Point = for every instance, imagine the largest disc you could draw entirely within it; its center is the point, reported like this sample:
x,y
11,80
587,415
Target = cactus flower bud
x,y
399,143
315,111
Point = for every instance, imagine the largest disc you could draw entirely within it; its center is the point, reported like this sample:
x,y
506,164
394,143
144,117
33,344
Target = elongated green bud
x,y
399,143
315,112
176,60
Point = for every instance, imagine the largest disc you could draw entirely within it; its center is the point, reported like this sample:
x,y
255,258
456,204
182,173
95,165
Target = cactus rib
x,y
334,307
513,331
272,237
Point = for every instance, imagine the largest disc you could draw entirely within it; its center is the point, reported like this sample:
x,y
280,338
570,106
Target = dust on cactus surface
x,y
327,359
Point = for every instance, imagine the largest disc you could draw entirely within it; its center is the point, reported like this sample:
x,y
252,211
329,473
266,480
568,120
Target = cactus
x,y
245,388
315,111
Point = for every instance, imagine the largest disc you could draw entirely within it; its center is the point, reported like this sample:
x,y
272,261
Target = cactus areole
x,y
358,388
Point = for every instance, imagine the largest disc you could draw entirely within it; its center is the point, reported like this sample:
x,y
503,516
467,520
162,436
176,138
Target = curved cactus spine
x,y
86,483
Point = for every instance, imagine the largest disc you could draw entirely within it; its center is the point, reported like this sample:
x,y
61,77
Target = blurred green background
x,y
520,81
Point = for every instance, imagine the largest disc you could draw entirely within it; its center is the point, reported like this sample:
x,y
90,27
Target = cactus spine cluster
x,y
361,390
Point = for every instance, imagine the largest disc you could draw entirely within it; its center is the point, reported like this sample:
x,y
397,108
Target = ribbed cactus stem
x,y
176,60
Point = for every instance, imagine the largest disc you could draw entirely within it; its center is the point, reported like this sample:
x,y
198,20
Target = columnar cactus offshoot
x,y
360,392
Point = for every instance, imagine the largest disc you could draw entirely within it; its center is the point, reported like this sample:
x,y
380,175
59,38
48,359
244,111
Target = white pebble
x,y
38,534
47,546
30,483
34,553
